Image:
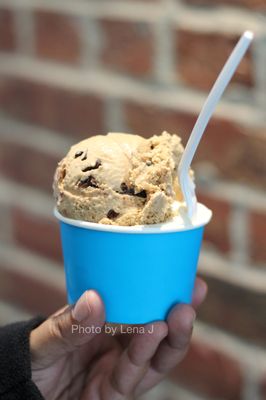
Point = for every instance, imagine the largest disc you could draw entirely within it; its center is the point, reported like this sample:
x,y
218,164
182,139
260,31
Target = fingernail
x,y
82,309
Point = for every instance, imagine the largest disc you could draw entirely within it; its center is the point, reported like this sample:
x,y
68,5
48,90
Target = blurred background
x,y
70,69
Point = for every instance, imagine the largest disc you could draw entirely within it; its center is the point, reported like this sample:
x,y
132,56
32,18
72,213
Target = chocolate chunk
x,y
78,154
90,167
112,214
152,147
142,194
131,191
86,169
62,174
124,187
85,156
126,190
88,181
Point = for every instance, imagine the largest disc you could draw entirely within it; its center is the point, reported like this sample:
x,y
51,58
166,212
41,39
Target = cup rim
x,y
178,224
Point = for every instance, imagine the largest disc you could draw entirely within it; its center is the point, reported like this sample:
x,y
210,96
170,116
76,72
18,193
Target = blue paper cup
x,y
141,272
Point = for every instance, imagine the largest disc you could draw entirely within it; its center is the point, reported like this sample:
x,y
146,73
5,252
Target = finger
x,y
63,333
172,349
61,310
200,292
134,362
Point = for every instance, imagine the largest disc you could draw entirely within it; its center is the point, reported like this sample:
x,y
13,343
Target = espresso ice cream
x,y
120,179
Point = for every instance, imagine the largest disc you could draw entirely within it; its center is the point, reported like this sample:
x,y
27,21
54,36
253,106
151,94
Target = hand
x,y
70,364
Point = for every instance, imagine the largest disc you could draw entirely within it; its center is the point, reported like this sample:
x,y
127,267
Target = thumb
x,y
64,332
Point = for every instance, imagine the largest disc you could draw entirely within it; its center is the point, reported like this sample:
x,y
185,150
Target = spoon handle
x,y
208,109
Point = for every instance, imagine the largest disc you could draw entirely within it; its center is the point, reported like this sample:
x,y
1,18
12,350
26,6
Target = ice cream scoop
x,y
120,179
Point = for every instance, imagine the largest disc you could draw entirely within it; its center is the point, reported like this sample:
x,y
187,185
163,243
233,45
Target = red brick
x,y
238,310
57,36
147,120
7,30
68,111
128,47
27,165
238,153
250,162
36,233
257,233
208,371
263,389
5,230
32,294
201,57
259,5
216,232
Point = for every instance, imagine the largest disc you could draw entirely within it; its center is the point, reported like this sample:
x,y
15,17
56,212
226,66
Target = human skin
x,y
97,366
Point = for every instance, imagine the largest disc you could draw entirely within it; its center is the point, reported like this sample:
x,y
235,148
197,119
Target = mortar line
x,y
32,200
250,355
249,277
35,137
114,116
220,19
92,42
239,234
24,27
105,83
48,270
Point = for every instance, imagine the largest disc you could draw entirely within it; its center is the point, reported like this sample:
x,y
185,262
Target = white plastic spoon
x,y
186,183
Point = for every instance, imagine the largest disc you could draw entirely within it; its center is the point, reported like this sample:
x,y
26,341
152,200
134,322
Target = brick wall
x,y
69,69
